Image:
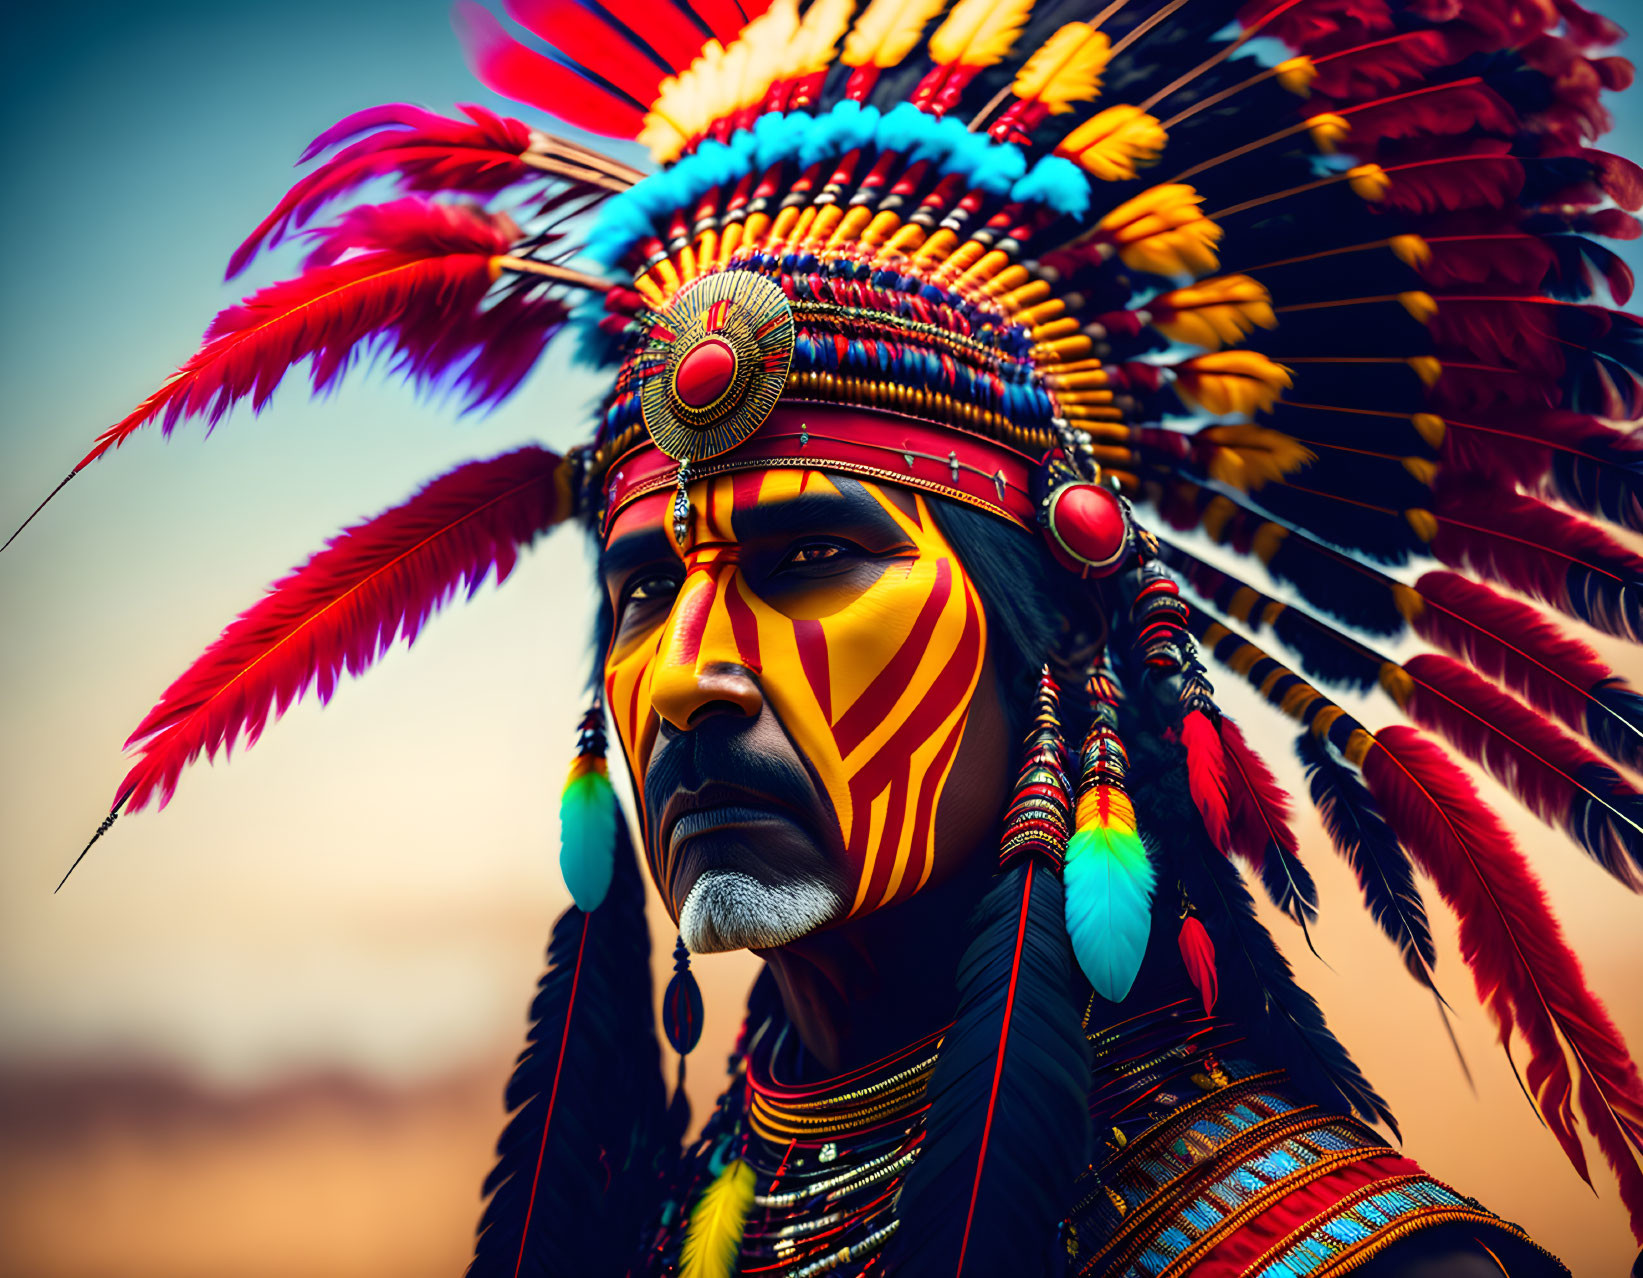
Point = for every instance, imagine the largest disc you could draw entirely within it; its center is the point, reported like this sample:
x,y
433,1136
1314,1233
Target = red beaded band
x,y
870,443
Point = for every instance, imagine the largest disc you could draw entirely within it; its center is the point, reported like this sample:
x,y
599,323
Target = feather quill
x,y
1008,1125
576,1170
343,609
415,288
1525,973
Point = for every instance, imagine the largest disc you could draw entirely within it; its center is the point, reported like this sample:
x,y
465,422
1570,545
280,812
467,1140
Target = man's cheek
x,y
627,693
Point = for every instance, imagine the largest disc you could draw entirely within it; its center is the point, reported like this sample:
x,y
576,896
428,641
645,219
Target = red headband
x,y
871,443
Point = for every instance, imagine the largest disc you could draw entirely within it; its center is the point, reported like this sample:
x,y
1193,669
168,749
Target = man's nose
x,y
701,671
685,697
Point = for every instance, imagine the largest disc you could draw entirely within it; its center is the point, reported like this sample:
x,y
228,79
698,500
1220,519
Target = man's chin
x,y
729,910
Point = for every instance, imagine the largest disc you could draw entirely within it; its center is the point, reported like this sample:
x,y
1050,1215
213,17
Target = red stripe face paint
x,y
851,616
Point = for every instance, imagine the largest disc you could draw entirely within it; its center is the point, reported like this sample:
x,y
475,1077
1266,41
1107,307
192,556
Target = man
x,y
921,383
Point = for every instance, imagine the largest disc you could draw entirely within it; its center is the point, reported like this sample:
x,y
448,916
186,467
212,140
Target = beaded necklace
x,y
829,1158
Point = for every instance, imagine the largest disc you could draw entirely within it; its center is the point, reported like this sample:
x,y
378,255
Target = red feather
x,y
1555,777
424,151
344,608
1517,646
1588,29
1384,66
1207,775
1493,254
505,66
1307,25
1485,175
585,38
1259,830
1198,954
1621,179
668,27
1497,256
397,297
1524,447
1542,552
1465,107
1525,973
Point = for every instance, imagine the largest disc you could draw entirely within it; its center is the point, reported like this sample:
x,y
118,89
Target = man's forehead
x,y
793,497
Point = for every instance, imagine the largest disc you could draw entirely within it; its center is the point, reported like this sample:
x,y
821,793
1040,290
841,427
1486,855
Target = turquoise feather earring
x,y
1108,875
588,814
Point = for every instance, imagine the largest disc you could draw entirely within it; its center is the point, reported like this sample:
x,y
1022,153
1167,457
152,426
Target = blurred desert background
x,y
265,1032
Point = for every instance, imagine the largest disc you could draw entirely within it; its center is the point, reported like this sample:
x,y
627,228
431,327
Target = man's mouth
x,y
716,806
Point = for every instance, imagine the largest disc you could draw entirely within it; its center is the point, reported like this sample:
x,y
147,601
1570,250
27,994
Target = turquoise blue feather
x,y
1109,883
587,836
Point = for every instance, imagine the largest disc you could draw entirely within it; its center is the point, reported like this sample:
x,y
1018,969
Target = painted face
x,y
791,686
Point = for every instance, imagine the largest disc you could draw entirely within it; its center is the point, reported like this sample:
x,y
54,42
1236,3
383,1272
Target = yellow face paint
x,y
870,669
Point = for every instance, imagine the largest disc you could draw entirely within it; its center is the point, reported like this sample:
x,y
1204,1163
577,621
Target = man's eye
x,y
813,552
655,585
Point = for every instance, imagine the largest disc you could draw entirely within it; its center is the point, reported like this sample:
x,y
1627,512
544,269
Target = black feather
x,y
1002,1147
576,1164
1361,835
1289,884
1283,1022
1615,722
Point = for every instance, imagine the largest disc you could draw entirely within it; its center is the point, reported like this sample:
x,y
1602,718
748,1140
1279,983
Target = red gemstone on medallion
x,y
705,373
1087,526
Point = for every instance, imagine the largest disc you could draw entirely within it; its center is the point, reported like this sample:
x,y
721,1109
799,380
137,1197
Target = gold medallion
x,y
715,364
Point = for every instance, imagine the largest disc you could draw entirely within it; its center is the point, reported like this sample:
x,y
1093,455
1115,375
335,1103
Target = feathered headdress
x,y
1337,322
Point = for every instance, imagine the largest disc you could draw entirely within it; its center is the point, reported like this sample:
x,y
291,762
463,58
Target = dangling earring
x,y
1041,807
588,814
681,1016
1109,876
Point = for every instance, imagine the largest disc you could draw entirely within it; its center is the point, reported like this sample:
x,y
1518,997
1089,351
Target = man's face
x,y
792,687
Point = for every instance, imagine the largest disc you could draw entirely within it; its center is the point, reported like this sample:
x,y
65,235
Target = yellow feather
x,y
1214,313
1297,76
1230,383
766,40
1066,69
1113,144
979,33
1248,456
1327,130
713,1239
684,105
887,31
813,48
1164,231
1368,181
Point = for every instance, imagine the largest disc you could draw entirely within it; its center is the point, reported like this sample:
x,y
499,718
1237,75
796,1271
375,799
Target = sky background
x,y
265,1031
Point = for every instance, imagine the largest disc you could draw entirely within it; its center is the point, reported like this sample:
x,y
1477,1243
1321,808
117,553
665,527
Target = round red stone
x,y
705,373
1087,523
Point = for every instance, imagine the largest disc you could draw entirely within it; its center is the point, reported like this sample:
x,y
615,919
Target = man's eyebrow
x,y
643,546
852,505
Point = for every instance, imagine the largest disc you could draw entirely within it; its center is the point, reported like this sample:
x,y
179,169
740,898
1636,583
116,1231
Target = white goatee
x,y
727,910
